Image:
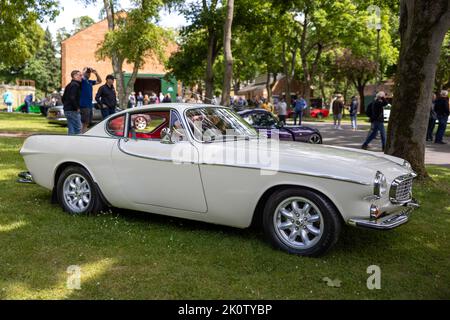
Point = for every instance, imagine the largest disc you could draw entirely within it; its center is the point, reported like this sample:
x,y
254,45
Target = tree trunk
x,y
116,62
287,84
268,86
362,107
423,25
209,77
228,61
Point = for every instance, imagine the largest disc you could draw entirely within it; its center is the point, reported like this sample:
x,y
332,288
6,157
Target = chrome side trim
x,y
244,167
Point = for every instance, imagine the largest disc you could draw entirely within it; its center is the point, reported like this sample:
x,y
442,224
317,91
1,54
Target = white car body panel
x,y
140,174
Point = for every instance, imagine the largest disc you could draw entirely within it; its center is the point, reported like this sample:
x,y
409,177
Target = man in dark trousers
x,y
375,113
106,97
86,96
441,108
71,102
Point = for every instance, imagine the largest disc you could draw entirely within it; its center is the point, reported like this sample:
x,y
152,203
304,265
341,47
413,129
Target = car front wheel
x,y
77,192
301,221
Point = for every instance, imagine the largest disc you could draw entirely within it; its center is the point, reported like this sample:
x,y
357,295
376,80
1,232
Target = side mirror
x,y
166,136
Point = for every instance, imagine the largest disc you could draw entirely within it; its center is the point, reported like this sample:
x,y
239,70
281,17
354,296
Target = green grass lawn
x,y
21,122
126,255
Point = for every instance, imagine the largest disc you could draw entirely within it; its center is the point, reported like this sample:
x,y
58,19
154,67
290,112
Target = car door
x,y
156,173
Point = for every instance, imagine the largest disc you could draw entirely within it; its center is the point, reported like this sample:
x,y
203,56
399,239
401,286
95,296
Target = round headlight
x,y
379,184
407,165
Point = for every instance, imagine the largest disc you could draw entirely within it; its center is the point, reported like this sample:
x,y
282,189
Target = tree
x,y
134,27
20,35
443,70
423,25
359,70
82,23
44,67
228,61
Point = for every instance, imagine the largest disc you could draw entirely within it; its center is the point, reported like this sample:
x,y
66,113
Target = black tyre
x,y
77,192
301,221
315,138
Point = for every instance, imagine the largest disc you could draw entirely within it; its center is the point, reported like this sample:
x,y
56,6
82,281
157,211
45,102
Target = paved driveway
x,y
434,154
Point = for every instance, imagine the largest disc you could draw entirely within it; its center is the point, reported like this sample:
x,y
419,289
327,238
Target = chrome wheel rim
x,y
140,123
298,223
77,193
315,139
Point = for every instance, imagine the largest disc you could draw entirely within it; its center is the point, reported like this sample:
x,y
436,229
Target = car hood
x,y
311,159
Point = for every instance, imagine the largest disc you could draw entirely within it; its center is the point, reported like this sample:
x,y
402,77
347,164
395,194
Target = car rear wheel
x,y
140,123
77,192
315,139
301,222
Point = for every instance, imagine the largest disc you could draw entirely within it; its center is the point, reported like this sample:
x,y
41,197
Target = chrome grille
x,y
401,189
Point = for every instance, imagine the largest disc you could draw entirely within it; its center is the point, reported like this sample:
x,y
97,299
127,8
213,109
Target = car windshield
x,y
210,124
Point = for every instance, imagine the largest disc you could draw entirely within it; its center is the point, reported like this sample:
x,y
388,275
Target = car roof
x,y
252,111
180,107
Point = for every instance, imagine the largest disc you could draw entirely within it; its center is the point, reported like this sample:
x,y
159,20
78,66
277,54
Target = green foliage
x,y
20,35
82,23
44,68
136,36
443,69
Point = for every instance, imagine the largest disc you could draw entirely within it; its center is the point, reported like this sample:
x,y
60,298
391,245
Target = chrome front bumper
x,y
387,222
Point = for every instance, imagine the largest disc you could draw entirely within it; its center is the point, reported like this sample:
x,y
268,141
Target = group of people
x,y
8,100
139,100
78,99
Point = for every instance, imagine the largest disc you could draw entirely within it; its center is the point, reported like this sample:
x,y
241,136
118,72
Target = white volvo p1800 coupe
x,y
205,163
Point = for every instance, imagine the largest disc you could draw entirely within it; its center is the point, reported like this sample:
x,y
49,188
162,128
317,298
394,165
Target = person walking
x,y
441,108
432,119
338,107
353,110
375,113
282,111
28,101
106,97
299,106
86,97
71,103
8,100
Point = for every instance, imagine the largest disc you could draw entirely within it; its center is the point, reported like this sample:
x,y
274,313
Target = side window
x,y
116,126
148,125
176,127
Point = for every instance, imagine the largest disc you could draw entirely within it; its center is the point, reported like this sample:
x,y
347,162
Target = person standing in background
x,y
353,110
132,100
140,99
106,97
338,107
442,111
431,120
8,100
86,97
282,111
71,103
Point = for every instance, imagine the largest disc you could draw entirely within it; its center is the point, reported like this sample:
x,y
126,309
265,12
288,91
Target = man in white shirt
x,y
282,110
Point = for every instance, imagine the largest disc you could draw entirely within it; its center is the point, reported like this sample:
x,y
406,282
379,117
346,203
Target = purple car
x,y
262,119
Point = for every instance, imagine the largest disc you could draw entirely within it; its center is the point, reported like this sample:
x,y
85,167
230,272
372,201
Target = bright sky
x,y
71,9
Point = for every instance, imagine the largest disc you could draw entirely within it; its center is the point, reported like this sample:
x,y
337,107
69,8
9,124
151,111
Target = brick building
x,y
78,52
